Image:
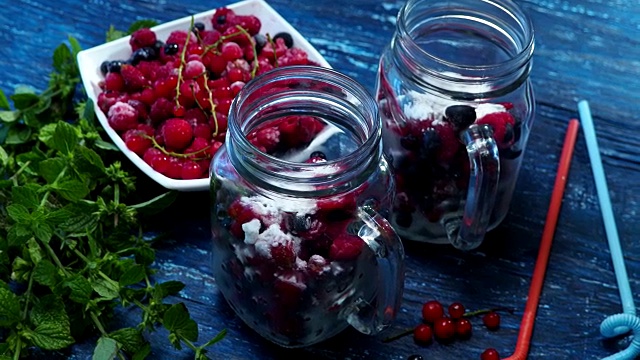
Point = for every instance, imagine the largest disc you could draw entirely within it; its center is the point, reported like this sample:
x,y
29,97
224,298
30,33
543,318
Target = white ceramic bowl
x,y
89,63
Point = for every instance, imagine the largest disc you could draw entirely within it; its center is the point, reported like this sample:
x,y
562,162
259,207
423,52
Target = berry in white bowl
x,y
163,94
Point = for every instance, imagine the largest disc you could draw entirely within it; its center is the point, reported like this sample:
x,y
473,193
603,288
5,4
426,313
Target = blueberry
x,y
159,44
509,133
318,154
410,142
286,37
261,41
460,116
430,142
114,66
198,27
171,48
221,19
143,54
104,67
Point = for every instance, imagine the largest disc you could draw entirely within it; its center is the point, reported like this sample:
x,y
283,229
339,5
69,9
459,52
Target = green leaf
x,y
9,116
49,169
24,96
4,102
144,255
9,307
88,161
75,46
142,24
105,288
131,339
46,273
133,275
61,57
4,157
106,349
113,34
177,319
17,135
65,138
168,288
52,327
216,338
35,251
46,134
142,353
42,231
19,213
101,144
72,190
25,195
156,204
80,289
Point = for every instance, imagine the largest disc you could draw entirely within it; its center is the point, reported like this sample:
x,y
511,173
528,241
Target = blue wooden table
x,y
586,49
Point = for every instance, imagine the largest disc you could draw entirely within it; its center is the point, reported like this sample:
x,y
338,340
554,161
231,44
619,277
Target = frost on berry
x,y
346,247
142,38
122,116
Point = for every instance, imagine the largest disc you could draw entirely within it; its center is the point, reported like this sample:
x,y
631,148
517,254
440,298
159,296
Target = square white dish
x,y
89,64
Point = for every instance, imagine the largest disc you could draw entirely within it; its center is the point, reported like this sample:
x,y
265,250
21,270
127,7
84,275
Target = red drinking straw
x,y
529,316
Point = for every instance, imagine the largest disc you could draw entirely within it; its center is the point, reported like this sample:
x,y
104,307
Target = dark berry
x,y
415,357
261,41
410,142
222,19
318,154
104,67
423,334
444,329
463,328
158,46
171,48
460,116
491,320
404,219
456,310
114,66
430,142
490,354
432,311
143,54
198,27
288,40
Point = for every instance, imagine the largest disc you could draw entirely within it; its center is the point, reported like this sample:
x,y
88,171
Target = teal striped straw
x,y
617,324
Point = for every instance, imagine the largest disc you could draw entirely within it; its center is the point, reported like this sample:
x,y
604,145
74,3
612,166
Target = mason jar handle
x,y
467,232
371,316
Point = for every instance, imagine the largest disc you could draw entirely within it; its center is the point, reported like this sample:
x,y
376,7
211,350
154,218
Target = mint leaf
x,y
52,327
72,190
17,135
26,196
177,320
131,339
65,138
49,169
46,134
80,289
156,204
4,157
35,251
24,97
132,275
106,145
141,24
88,161
113,34
9,307
19,213
168,288
4,102
61,57
105,288
75,46
46,273
9,116
106,349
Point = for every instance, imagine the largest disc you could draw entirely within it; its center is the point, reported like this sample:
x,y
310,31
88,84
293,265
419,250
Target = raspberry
x,y
133,79
142,38
179,37
177,133
221,18
248,22
346,247
293,56
284,255
268,138
113,82
316,264
449,143
289,288
122,116
500,122
209,37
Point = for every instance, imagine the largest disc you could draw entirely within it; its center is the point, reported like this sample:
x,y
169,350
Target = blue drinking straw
x,y
617,324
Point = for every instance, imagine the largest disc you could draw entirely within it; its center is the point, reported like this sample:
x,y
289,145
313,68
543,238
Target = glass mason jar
x,y
457,106
300,191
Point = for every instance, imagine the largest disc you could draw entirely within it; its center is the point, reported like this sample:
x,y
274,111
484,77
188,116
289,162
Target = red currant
x,y
456,310
444,329
432,311
463,328
423,334
491,320
490,354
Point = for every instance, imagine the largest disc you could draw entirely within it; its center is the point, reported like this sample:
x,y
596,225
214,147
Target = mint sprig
x,y
72,244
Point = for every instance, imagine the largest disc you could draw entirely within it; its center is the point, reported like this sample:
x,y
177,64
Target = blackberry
x,y
318,154
460,116
171,48
286,37
104,67
143,54
261,41
114,66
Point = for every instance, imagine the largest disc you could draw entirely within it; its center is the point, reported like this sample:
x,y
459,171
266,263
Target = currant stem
x,y
486,311
169,153
402,334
